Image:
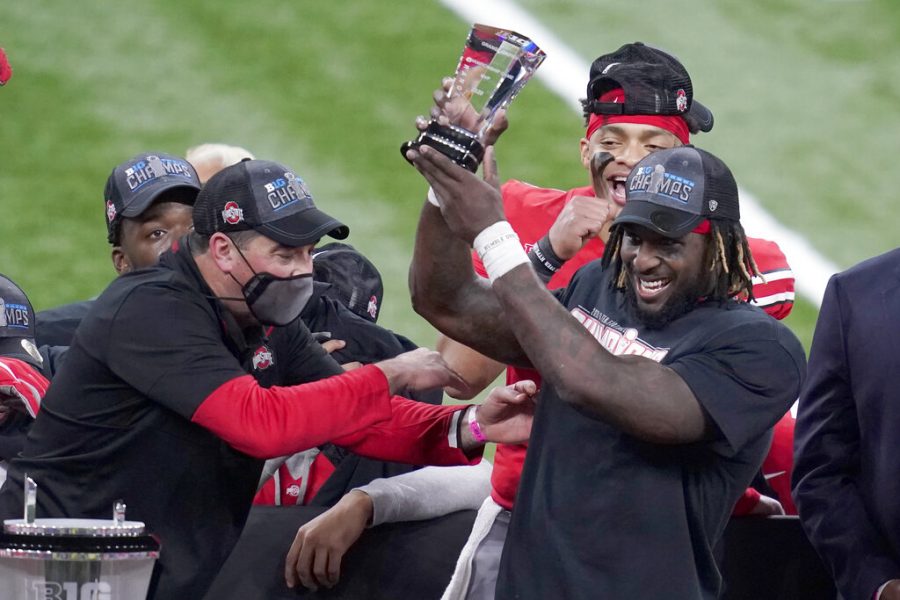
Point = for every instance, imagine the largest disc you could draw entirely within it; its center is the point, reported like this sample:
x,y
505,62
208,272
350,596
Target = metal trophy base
x,y
458,144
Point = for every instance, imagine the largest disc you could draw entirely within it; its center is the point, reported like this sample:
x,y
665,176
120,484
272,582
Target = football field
x,y
806,95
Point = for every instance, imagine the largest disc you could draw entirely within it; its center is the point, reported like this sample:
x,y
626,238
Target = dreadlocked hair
x,y
728,255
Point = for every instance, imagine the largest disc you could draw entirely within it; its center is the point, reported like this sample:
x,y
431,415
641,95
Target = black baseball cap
x,y
138,182
16,323
266,197
654,82
672,191
354,281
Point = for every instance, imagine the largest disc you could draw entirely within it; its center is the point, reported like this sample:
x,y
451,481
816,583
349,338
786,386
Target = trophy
x,y
494,66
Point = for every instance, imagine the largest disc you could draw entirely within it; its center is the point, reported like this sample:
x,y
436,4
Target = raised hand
x,y
468,203
457,110
583,217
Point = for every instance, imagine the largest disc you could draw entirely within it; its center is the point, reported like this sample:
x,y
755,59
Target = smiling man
x,y
660,386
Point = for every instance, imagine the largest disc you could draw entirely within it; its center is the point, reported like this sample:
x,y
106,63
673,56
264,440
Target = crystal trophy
x,y
494,66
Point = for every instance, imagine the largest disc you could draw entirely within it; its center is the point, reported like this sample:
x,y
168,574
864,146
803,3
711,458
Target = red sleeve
x,y
779,462
774,291
747,502
416,434
268,422
21,386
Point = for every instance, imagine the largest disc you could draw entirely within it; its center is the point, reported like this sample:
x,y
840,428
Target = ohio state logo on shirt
x,y
293,490
262,358
232,213
110,211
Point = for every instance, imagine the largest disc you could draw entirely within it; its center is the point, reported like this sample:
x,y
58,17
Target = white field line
x,y
564,73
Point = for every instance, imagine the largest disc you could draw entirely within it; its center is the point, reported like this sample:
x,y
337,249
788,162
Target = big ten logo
x,y
279,193
72,590
138,166
285,190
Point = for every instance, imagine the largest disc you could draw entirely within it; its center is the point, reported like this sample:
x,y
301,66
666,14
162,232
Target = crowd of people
x,y
638,325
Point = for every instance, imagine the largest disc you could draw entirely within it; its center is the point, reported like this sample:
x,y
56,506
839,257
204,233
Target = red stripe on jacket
x,y
354,410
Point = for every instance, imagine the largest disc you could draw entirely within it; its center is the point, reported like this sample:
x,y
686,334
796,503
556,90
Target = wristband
x,y
472,417
544,260
432,197
499,249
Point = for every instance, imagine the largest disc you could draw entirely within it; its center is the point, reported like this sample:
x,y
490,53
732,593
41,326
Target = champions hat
x,y
673,191
17,324
354,281
136,183
266,197
654,83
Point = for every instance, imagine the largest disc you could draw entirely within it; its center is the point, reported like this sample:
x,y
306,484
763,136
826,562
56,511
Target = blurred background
x,y
806,95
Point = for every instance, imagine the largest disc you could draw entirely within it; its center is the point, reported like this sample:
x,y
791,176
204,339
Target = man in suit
x,y
845,481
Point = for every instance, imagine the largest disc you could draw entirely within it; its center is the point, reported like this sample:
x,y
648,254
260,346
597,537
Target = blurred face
x,y
628,143
143,238
665,276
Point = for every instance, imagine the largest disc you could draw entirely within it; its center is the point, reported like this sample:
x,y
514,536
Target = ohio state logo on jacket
x,y
262,358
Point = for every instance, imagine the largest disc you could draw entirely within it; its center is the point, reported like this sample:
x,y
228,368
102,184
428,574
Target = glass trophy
x,y
494,66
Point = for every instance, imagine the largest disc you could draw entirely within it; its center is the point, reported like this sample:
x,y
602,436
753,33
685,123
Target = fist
x,y
581,219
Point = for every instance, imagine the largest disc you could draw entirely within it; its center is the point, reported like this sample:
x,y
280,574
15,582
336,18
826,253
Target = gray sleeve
x,y
429,492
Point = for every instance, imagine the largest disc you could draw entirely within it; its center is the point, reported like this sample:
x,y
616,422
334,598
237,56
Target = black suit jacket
x,y
846,480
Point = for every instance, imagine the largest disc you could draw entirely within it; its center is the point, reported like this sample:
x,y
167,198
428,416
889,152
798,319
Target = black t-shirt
x,y
601,514
116,423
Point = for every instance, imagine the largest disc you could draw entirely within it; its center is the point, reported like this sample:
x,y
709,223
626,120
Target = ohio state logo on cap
x,y
681,100
232,213
110,211
372,308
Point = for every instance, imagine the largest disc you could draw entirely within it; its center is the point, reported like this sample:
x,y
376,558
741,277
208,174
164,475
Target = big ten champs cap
x,y
673,191
137,183
17,324
354,281
266,197
654,83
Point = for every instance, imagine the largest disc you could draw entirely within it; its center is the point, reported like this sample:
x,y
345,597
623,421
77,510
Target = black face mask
x,y
275,300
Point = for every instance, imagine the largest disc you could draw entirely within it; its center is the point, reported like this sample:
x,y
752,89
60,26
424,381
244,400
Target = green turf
x,y
805,95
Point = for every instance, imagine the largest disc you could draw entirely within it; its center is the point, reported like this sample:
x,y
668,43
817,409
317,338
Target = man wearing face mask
x,y
183,377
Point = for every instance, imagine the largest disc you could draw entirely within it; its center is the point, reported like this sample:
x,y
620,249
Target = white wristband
x,y
432,197
499,249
